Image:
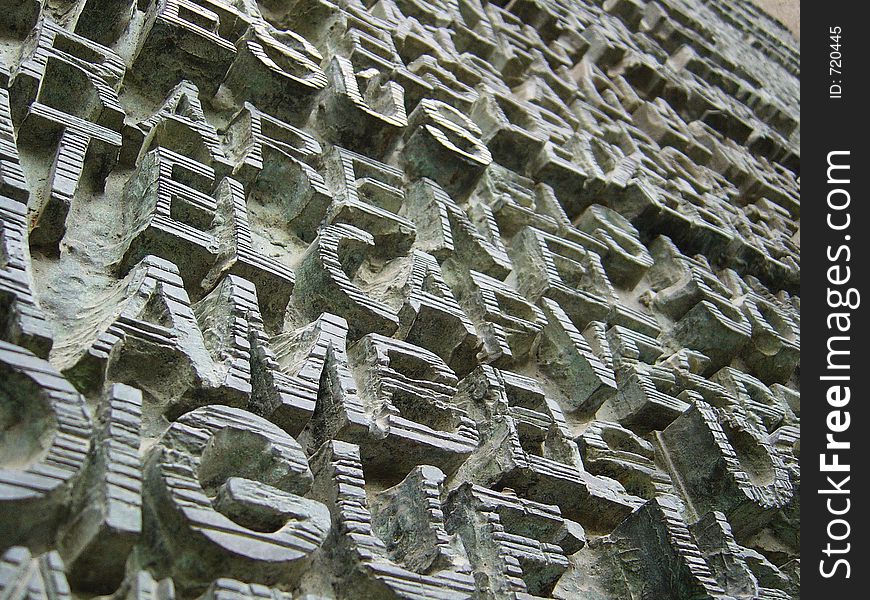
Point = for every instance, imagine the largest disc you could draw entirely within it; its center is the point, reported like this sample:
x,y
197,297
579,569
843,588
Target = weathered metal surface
x,y
398,299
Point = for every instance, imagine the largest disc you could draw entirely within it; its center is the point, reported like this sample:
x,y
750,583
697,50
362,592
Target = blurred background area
x,y
787,11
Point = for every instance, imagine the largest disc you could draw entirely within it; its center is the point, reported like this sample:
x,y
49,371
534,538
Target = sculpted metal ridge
x,y
357,299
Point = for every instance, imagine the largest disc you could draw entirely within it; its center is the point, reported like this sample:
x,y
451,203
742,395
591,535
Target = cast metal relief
x,y
361,299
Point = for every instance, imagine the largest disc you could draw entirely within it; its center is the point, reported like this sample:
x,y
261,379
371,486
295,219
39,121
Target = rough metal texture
x,y
362,299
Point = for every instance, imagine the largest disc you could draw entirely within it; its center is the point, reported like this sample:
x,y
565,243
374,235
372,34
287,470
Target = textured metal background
x,y
398,299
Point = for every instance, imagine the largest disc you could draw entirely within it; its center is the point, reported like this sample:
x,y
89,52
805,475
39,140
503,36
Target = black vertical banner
x,y
835,425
